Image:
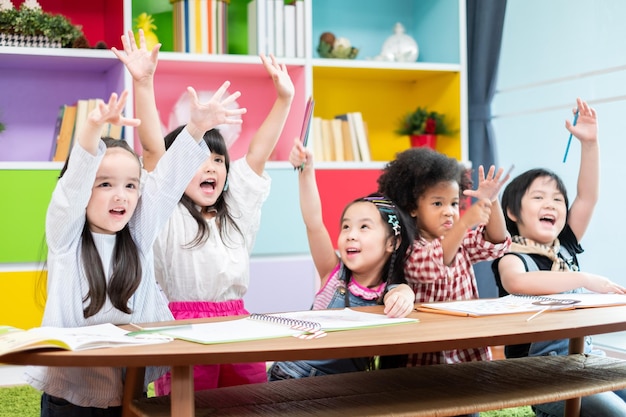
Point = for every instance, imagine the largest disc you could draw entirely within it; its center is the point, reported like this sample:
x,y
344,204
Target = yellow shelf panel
x,y
383,96
22,298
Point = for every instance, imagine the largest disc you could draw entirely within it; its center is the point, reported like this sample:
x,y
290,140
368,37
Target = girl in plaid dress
x,y
429,186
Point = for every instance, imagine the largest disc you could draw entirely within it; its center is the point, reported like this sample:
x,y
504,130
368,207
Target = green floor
x,y
23,401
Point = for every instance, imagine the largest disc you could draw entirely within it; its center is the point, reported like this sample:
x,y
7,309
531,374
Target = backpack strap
x,y
529,262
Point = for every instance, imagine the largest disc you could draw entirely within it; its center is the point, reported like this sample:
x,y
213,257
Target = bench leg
x,y
182,395
133,389
572,406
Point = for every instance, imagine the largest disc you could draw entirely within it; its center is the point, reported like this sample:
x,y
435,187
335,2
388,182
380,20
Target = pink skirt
x,y
213,376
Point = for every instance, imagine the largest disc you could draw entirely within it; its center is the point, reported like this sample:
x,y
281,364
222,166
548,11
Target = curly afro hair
x,y
405,179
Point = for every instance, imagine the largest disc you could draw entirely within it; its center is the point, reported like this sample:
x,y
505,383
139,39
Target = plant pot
x,y
427,140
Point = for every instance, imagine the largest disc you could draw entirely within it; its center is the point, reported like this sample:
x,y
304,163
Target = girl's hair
x,y
406,178
399,227
517,188
215,141
126,265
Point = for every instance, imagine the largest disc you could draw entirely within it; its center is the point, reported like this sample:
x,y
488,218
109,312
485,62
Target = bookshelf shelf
x,y
36,81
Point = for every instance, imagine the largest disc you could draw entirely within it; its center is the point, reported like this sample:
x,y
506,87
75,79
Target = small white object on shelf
x,y
399,47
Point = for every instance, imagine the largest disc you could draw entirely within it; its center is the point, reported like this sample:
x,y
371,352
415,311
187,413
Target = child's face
x,y
364,243
208,183
115,192
543,212
437,210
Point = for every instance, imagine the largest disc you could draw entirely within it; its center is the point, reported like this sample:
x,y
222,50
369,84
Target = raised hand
x,y
488,186
300,157
140,62
112,112
586,128
278,72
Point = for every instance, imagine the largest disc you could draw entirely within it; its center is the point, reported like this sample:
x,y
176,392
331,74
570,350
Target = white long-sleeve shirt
x,y
67,284
216,270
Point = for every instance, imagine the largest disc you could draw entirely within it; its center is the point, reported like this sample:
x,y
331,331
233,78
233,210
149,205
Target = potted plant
x,y
423,126
30,26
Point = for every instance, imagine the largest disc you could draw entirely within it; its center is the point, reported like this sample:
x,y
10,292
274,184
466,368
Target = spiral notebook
x,y
302,324
512,304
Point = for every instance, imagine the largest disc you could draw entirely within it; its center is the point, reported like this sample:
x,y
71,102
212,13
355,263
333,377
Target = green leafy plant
x,y
423,121
34,22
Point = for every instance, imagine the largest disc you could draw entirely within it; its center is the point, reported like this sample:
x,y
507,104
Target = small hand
x,y
220,113
140,62
477,214
299,155
488,186
111,112
586,128
400,301
282,82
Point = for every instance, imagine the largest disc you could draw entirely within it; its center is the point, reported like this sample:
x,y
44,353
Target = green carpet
x,y
20,401
23,401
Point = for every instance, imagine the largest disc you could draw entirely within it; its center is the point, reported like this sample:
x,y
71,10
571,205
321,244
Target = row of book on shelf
x,y
276,27
343,138
200,26
70,119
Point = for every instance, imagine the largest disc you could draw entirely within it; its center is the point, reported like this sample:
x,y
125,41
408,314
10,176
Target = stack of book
x,y
343,138
201,26
276,27
69,120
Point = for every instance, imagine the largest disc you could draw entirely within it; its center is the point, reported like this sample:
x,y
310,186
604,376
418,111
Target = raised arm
x,y
265,139
586,131
142,64
489,186
109,112
320,244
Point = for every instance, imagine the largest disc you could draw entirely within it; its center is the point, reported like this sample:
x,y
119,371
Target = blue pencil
x,y
569,141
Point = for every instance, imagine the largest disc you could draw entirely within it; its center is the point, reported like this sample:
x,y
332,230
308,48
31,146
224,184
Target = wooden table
x,y
433,332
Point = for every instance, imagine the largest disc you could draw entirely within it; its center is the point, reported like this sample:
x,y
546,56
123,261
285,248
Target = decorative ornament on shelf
x,y
331,46
423,126
146,22
399,47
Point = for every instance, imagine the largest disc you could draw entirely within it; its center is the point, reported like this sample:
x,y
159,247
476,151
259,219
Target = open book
x,y
511,304
303,324
13,339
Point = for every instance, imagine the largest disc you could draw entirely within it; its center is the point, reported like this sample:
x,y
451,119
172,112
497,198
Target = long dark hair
x,y
215,141
126,265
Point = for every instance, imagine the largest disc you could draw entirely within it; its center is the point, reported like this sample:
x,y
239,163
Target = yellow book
x,y
66,132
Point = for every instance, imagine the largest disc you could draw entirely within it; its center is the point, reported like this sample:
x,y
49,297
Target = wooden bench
x,y
439,390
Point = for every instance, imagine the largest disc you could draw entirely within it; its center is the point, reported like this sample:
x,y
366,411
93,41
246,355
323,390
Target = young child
x,y
101,224
542,258
203,253
427,185
372,245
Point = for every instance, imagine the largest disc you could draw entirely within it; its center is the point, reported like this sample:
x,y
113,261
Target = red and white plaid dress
x,y
433,281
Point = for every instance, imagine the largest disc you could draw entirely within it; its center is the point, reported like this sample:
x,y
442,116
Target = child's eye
x,y
131,186
219,159
365,226
105,184
344,227
455,204
437,204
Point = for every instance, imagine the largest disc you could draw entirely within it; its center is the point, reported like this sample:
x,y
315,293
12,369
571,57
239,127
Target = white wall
x,y
552,52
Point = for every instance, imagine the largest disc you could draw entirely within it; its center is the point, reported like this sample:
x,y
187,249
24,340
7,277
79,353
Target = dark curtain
x,y
485,20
